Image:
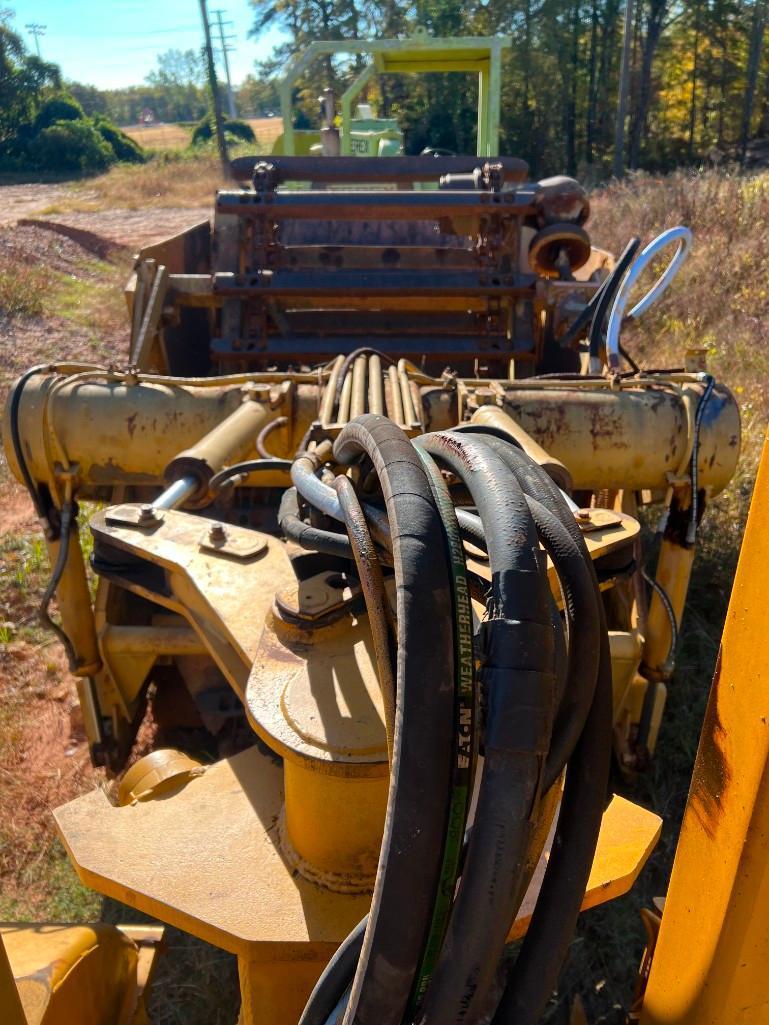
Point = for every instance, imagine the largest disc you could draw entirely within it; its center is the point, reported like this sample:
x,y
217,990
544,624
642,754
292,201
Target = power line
x,y
37,30
224,48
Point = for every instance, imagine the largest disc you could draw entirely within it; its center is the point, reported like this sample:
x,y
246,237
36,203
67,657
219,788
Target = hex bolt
x,y
216,533
582,515
147,514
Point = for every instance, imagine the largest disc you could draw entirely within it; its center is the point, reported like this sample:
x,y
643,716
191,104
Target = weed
x,y
22,289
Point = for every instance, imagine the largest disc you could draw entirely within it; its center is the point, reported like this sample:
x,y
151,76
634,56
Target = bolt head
x,y
217,533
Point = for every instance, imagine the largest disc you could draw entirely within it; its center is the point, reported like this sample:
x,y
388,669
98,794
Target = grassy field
x,y
720,302
175,137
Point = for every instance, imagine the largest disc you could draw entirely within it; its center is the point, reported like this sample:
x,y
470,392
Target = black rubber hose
x,y
330,987
373,588
13,416
613,282
565,545
567,548
271,465
312,538
535,973
581,603
517,674
415,824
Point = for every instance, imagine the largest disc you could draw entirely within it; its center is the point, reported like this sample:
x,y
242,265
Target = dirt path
x,y
130,228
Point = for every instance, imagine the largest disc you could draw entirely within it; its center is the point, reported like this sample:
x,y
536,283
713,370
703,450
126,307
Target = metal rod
x,y
176,494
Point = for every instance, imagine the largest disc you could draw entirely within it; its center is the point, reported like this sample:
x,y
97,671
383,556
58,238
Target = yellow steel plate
x,y
207,860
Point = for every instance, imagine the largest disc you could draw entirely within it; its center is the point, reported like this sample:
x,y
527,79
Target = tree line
x,y
699,74
698,82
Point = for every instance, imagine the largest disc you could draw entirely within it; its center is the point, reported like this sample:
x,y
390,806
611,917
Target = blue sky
x,y
112,43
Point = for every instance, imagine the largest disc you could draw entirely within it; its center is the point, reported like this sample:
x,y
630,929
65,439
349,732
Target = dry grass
x,y
168,180
720,300
22,289
176,137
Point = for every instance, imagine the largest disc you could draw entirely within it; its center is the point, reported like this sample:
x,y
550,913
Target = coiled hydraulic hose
x,y
415,824
530,684
517,675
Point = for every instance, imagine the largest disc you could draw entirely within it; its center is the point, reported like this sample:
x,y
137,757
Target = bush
x,y
123,146
236,130
58,108
71,146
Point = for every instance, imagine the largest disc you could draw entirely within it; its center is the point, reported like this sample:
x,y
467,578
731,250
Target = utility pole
x,y
37,30
225,50
624,87
221,142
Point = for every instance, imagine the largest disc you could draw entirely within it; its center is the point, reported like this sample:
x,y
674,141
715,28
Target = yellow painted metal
x,y
79,974
628,835
228,441
255,904
228,620
331,826
276,991
11,1011
627,438
710,962
159,772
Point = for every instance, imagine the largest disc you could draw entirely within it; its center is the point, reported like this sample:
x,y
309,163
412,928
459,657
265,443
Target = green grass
x,y
65,898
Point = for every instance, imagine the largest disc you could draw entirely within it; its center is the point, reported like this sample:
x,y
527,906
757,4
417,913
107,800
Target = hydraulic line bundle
x,y
499,711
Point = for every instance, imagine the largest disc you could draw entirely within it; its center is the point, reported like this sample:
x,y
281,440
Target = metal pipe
x,y
375,388
408,405
329,393
343,414
358,403
396,399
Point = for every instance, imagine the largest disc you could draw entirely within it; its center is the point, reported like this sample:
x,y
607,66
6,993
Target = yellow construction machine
x,y
365,501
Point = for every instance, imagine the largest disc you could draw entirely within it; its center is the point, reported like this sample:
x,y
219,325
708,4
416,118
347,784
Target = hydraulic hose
x,y
547,705
563,541
372,585
517,675
336,976
411,855
312,538
465,745
535,972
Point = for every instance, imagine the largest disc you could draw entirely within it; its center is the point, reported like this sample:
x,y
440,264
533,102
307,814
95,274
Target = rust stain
x,y
712,773
131,424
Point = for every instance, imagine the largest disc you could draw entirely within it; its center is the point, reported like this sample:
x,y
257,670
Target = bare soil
x,y
131,229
